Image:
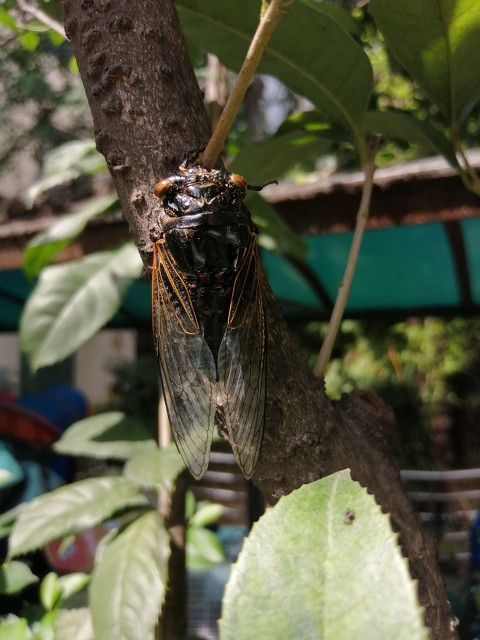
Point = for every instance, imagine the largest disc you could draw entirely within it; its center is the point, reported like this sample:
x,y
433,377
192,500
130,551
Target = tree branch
x,y
268,22
41,16
344,286
148,113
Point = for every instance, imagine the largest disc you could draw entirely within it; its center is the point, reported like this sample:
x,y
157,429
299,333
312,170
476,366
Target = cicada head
x,y
196,189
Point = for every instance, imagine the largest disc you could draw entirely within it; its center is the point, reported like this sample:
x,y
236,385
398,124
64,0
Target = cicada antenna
x,y
254,187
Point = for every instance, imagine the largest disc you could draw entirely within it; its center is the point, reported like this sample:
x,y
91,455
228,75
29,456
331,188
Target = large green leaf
x,y
15,576
309,52
312,122
155,468
269,160
44,246
437,41
69,510
106,435
71,302
405,126
323,563
128,584
337,13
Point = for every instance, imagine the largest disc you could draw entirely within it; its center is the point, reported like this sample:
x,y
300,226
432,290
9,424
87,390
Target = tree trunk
x,y
148,112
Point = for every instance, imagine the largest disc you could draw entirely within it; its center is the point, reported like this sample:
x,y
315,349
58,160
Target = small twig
x,y
42,17
266,27
469,177
344,286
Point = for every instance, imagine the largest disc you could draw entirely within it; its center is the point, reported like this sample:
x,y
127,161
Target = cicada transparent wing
x,y
187,366
242,364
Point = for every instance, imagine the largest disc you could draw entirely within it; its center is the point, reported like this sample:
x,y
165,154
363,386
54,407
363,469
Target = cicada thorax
x,y
207,231
209,321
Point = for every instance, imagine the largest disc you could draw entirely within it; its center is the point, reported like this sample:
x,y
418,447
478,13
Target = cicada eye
x,y
162,187
239,181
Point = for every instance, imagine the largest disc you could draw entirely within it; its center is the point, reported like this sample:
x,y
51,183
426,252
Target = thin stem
x,y
265,29
41,16
344,287
471,179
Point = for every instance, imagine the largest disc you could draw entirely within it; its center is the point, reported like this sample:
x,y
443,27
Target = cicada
x,y
209,315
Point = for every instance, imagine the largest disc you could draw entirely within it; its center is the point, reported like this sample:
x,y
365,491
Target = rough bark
x,y
148,112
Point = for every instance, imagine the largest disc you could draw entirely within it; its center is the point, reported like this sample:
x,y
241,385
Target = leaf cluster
x,y
131,563
42,100
338,595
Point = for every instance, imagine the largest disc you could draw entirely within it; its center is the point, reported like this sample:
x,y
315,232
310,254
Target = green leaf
x,y
7,20
203,549
205,514
437,41
106,435
270,160
336,13
44,246
29,40
72,583
275,234
66,163
15,576
44,629
35,25
308,51
71,302
404,126
70,509
128,585
7,519
312,121
50,592
16,629
155,468
323,563
56,38
190,505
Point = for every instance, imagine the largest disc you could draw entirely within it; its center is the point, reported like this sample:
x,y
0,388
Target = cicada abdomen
x,y
209,317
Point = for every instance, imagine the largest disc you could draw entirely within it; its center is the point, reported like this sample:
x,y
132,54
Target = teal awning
x,y
406,270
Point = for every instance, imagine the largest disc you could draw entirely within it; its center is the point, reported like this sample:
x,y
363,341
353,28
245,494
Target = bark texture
x,y
148,112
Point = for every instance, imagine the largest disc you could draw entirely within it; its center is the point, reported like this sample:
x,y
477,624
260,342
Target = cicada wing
x,y
242,364
187,366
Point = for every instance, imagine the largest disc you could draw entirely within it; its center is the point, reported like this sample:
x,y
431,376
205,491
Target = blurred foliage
x,y
46,88
421,367
42,102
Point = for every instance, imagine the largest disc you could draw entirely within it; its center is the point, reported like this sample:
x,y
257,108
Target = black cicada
x,y
208,315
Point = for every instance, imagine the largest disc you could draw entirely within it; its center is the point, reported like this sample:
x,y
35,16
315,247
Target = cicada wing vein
x,y
242,364
187,366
